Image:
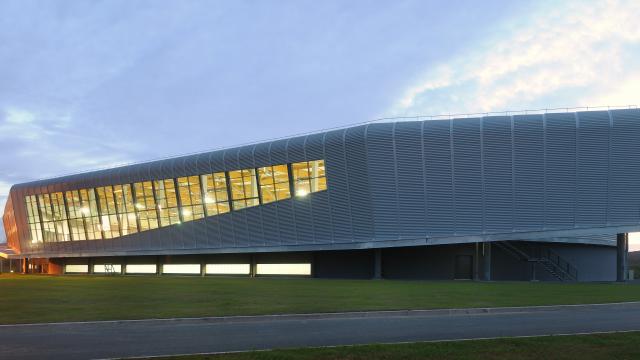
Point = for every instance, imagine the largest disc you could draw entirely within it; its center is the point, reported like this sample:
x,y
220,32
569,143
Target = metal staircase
x,y
553,263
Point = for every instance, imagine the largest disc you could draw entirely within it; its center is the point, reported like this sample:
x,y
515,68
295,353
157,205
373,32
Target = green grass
x,y
584,347
30,299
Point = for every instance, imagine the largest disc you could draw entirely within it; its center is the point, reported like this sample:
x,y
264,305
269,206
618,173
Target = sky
x,y
89,84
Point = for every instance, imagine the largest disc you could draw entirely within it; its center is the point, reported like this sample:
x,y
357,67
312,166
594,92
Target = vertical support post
x,y
203,268
123,266
377,264
476,263
90,262
159,265
252,266
621,258
533,271
486,260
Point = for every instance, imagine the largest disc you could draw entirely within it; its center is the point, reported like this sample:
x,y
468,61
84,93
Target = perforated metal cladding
x,y
402,181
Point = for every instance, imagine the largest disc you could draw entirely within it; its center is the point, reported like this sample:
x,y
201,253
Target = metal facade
x,y
566,177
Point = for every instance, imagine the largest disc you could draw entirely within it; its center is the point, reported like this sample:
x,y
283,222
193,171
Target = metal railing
x,y
549,259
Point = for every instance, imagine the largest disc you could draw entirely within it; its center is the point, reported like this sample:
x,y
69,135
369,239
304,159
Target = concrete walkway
x,y
114,339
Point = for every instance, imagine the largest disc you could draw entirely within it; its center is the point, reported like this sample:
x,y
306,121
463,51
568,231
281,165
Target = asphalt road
x,y
165,337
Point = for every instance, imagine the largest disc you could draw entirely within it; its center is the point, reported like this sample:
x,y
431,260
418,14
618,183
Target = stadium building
x,y
548,196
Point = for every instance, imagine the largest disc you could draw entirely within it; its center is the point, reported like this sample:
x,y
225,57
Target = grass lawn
x,y
31,299
584,347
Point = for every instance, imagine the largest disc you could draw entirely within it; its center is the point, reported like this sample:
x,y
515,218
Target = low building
x,y
530,196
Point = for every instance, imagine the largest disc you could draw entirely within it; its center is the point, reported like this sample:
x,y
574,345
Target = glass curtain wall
x,y
126,209
308,177
33,218
76,218
60,217
90,214
118,210
109,215
145,205
167,202
274,183
190,198
48,223
216,197
244,188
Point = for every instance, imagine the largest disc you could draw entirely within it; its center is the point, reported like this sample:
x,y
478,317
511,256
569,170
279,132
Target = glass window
x,y
33,218
76,219
125,209
167,202
216,198
48,223
190,198
60,217
274,183
108,212
309,176
145,205
90,214
244,188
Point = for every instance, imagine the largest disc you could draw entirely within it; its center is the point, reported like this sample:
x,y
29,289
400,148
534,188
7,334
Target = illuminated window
x,y
274,183
60,217
145,205
48,222
167,202
284,269
190,198
126,209
309,176
90,214
244,188
141,269
227,269
76,220
108,213
76,269
181,269
216,198
33,218
102,268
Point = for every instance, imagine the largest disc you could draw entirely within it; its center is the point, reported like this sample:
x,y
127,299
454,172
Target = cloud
x,y
576,54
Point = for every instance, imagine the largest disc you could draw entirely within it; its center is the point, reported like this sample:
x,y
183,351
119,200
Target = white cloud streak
x,y
577,54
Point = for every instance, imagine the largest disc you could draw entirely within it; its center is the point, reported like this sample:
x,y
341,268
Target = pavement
x,y
157,337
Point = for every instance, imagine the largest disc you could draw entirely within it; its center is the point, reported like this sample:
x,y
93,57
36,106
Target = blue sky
x,y
86,84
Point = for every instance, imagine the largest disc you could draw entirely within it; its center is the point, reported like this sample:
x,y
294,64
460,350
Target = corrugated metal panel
x,y
497,169
410,179
529,164
560,174
624,197
439,178
359,194
338,186
384,189
467,176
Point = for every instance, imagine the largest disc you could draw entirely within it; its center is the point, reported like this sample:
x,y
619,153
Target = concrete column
x,y
123,266
377,264
621,259
90,266
486,261
203,268
159,265
252,266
